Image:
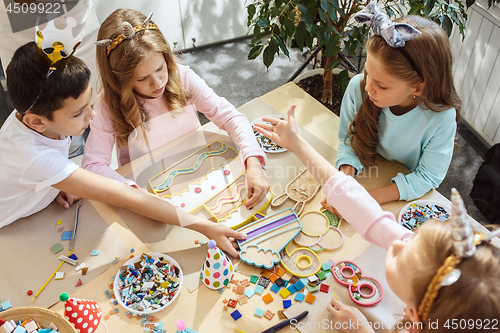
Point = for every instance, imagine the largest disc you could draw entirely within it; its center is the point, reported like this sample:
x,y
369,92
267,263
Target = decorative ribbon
x,y
394,34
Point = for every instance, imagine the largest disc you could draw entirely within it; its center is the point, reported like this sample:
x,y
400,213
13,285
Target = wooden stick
x,y
39,291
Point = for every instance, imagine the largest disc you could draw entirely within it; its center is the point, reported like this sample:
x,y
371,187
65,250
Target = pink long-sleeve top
x,y
359,208
99,145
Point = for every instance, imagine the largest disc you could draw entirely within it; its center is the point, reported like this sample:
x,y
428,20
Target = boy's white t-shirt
x,y
30,164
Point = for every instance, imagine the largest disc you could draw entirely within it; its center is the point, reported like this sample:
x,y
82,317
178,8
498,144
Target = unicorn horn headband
x,y
128,32
464,246
394,34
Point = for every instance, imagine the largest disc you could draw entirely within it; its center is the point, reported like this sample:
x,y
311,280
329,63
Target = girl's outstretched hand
x,y
329,207
257,184
282,132
225,237
349,318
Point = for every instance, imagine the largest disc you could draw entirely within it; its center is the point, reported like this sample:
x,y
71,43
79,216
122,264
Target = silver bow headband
x,y
394,34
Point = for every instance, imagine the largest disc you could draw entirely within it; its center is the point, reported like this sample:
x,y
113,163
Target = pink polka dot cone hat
x,y
217,269
85,315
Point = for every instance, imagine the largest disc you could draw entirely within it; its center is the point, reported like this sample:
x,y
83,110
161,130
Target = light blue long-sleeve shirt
x,y
422,140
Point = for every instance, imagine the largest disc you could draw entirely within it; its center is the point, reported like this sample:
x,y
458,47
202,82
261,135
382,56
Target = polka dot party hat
x,y
85,315
217,270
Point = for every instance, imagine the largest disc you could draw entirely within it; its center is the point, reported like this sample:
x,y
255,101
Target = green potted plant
x,y
329,26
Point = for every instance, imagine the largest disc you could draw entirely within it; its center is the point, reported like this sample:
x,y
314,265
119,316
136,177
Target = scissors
x,y
286,322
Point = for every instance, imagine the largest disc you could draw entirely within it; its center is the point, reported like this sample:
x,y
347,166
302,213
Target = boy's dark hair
x,y
27,79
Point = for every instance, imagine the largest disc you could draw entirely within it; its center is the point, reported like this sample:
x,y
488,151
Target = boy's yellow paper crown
x,y
54,60
59,40
57,59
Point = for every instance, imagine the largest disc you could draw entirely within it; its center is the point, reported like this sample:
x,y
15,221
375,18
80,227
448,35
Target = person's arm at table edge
x,y
86,184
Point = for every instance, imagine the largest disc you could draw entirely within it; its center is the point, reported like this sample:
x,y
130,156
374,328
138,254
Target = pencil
x,y
39,291
335,295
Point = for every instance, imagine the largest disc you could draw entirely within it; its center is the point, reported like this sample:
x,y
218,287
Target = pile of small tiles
x,y
150,283
150,323
29,325
417,214
354,280
275,278
267,144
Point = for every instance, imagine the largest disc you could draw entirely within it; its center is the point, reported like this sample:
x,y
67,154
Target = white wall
x,y
166,14
476,71
211,21
207,21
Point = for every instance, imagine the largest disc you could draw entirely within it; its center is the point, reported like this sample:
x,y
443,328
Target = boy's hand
x,y
66,199
225,237
350,319
283,133
257,185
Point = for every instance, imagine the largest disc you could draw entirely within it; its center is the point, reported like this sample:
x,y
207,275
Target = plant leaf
x,y
301,34
333,14
343,79
288,26
251,13
324,5
429,5
263,22
282,46
304,15
447,24
309,40
269,52
335,4
256,31
469,3
255,52
331,48
255,41
312,8
324,17
333,64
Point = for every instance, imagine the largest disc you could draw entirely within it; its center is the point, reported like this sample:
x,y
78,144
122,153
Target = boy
x,y
34,142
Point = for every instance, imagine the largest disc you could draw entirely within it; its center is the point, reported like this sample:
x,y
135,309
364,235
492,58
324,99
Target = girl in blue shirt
x,y
403,107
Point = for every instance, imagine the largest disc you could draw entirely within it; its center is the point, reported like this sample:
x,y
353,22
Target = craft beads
x,y
417,214
267,144
150,283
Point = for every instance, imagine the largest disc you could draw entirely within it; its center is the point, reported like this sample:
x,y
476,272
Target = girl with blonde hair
x,y
140,81
447,274
403,107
